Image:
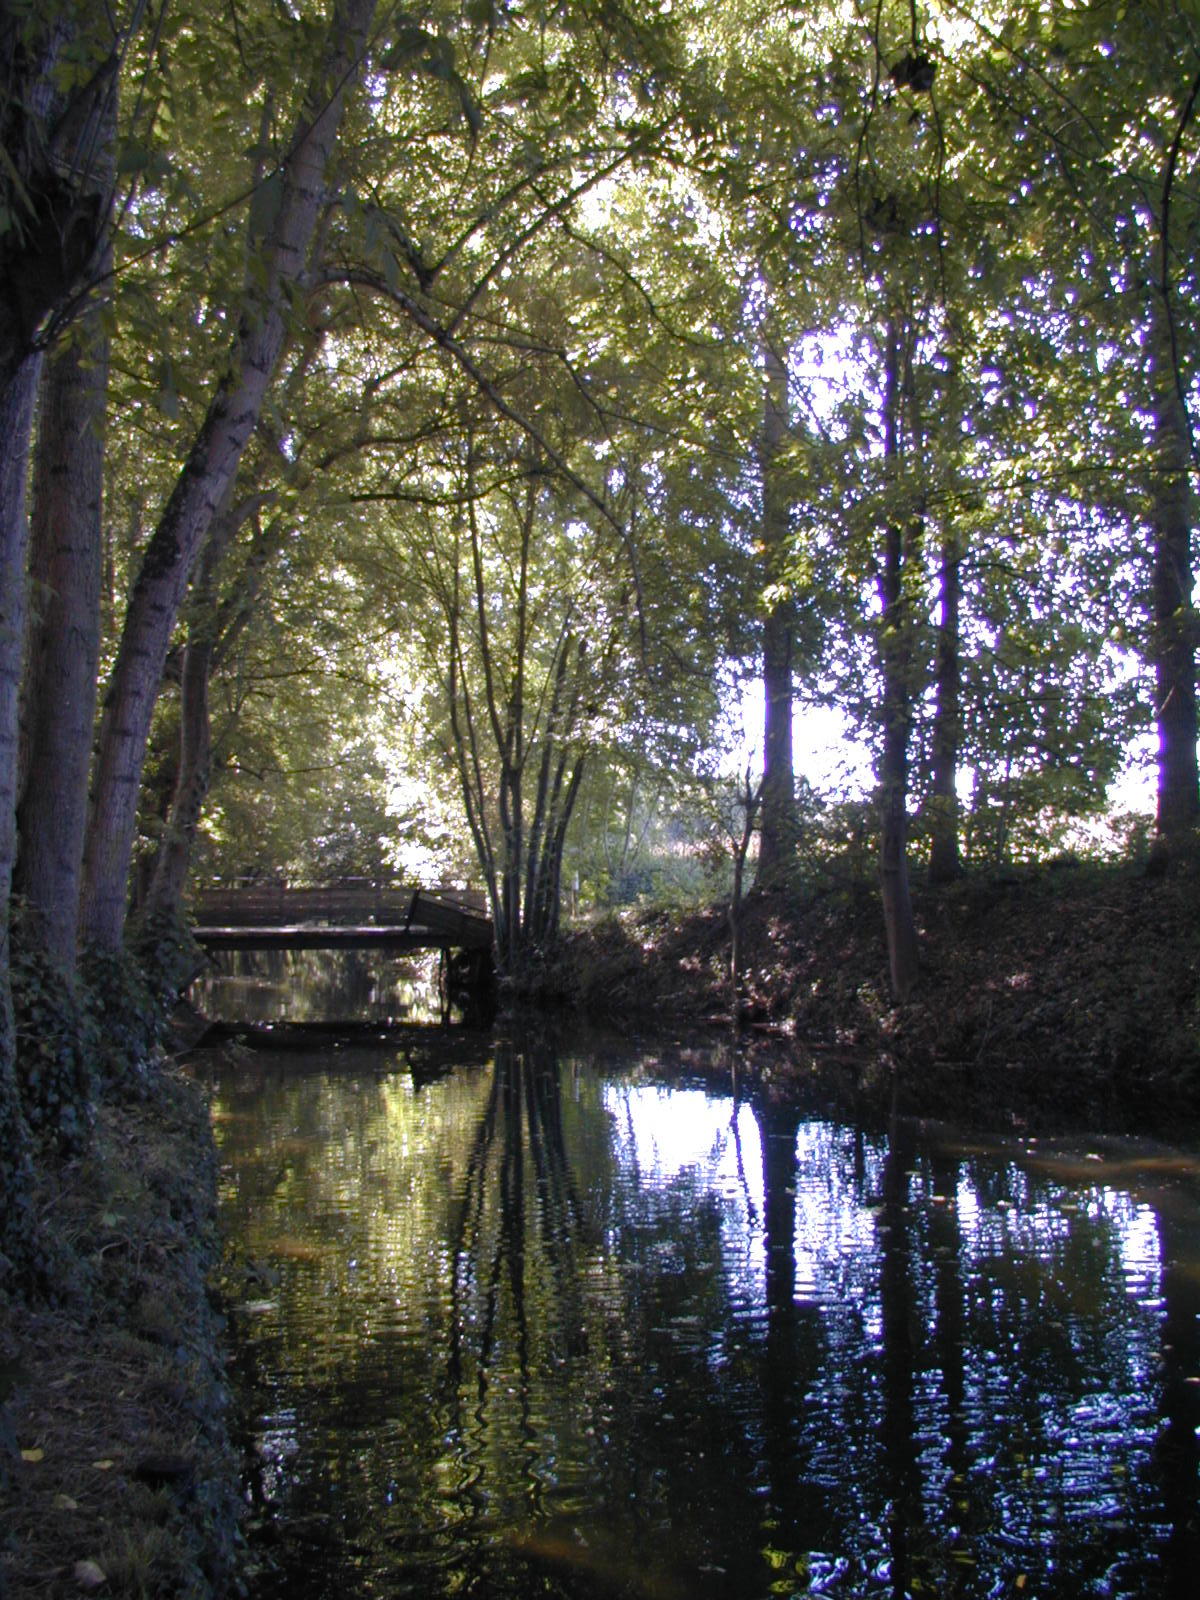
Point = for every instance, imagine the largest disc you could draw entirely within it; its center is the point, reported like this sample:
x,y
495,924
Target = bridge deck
x,y
348,917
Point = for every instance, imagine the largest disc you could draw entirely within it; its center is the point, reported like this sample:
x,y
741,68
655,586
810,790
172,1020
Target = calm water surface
x,y
526,1322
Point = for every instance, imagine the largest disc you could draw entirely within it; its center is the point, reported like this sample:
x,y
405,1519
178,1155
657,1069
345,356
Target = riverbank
x,y
1061,995
116,1474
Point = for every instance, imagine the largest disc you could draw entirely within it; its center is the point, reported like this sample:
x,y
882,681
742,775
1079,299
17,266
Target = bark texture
x,y
16,422
60,688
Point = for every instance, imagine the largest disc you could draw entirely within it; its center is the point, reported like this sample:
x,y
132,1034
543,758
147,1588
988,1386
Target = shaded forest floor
x,y
116,1474
1066,995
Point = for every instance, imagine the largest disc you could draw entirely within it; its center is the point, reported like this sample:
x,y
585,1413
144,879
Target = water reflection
x,y
545,1325
318,985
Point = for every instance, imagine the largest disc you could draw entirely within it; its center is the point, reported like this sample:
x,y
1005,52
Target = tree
x,y
1114,148
264,320
903,533
1173,462
60,678
16,1234
778,826
58,77
523,609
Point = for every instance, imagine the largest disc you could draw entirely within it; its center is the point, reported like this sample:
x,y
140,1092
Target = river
x,y
588,1319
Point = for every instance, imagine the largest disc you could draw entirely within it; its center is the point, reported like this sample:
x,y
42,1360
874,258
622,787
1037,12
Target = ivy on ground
x,y
55,1045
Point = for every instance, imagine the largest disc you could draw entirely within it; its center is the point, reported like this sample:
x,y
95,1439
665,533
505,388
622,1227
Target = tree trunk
x,y
165,897
1174,619
205,621
17,405
554,800
60,678
895,655
897,900
749,799
205,480
16,422
778,827
945,862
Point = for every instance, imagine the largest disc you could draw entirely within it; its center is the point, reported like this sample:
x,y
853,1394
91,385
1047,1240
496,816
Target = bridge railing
x,y
355,901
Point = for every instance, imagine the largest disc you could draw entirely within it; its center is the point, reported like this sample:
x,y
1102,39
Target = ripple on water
x,y
591,1336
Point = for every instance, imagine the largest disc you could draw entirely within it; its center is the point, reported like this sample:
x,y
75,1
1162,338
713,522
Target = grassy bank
x,y
1066,994
115,1470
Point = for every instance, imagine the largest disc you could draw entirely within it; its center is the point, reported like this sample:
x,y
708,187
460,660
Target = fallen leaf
x,y
63,1502
33,1455
104,1466
89,1575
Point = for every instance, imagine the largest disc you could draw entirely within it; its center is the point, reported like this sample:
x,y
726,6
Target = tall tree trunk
x,y
171,864
945,862
778,827
60,678
1174,618
17,405
206,624
749,798
16,423
895,655
205,480
554,797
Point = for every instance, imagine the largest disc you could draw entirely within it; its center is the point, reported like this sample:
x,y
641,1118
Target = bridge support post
x,y
467,979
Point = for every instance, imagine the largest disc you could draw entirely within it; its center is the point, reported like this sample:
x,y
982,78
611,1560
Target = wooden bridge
x,y
351,915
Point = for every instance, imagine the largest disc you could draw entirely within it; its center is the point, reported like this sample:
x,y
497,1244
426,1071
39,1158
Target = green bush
x,y
55,1045
167,955
126,1020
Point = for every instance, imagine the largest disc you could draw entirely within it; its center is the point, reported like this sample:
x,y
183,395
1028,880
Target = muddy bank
x,y
116,1474
1059,995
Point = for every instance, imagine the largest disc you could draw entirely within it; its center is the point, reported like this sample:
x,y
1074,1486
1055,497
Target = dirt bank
x,y
1065,994
116,1475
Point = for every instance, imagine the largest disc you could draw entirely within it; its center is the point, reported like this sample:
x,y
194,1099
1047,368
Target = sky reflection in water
x,y
543,1325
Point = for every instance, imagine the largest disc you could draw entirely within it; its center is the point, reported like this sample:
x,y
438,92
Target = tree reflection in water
x,y
548,1326
584,1301
1178,1446
518,1146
